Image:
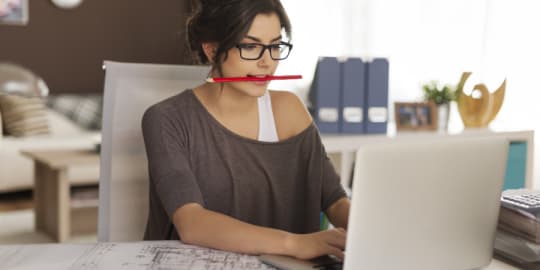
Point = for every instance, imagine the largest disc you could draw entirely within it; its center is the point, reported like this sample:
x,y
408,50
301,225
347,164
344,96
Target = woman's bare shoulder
x,y
290,114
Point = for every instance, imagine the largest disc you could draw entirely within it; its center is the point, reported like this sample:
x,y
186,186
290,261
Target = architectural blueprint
x,y
149,255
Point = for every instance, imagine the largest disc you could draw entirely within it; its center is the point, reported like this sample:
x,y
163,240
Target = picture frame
x,y
415,116
14,12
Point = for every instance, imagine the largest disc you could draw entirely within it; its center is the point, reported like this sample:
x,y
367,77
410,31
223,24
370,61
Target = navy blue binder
x,y
377,96
353,102
324,95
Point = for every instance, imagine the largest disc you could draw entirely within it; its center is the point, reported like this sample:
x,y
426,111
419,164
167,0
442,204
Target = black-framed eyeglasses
x,y
254,51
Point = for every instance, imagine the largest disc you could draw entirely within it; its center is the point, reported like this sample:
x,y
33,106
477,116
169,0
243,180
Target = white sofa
x,y
17,171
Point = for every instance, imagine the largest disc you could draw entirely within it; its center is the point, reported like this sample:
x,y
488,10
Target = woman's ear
x,y
210,50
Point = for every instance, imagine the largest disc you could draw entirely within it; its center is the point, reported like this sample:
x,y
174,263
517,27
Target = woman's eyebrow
x,y
259,40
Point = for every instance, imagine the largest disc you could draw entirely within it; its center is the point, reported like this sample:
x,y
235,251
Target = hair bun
x,y
211,2
199,6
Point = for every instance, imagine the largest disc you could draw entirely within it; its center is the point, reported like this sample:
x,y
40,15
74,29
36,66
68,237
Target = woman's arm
x,y
199,226
338,213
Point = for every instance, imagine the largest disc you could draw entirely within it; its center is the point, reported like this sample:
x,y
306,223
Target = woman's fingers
x,y
337,238
335,251
330,242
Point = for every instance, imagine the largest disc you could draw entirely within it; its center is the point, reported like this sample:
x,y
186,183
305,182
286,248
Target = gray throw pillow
x,y
85,111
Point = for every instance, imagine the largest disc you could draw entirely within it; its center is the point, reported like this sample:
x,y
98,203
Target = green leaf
x,y
439,94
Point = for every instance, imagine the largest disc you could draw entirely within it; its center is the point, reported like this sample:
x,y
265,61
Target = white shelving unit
x,y
346,145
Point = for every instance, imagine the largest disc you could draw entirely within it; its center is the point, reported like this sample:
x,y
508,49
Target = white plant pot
x,y
443,116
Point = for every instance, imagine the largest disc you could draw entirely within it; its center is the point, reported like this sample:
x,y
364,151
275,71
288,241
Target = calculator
x,y
522,198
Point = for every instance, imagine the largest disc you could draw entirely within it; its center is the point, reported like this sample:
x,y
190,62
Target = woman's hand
x,y
309,246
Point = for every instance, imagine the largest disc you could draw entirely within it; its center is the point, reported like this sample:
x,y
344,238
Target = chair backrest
x,y
123,188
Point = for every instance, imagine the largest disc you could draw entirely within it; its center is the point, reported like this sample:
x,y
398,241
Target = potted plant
x,y
441,95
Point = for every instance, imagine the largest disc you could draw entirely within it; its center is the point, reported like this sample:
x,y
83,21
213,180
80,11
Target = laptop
x,y
421,205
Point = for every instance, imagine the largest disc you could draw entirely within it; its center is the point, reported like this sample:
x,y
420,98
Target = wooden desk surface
x,y
58,159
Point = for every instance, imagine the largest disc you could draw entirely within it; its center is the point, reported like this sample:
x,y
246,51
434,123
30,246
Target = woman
x,y
234,166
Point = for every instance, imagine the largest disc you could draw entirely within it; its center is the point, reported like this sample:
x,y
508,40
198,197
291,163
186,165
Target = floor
x,y
17,222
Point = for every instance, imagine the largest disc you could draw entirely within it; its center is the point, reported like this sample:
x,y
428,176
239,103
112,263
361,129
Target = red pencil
x,y
253,79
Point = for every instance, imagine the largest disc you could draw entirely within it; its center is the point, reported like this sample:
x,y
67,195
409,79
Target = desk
x,y
52,191
134,256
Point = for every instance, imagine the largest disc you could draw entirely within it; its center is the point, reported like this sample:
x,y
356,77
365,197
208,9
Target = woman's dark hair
x,y
226,22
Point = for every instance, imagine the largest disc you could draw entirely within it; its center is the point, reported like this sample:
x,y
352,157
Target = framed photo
x,y
414,116
14,12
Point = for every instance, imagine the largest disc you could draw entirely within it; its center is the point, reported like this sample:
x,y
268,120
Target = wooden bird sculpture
x,y
478,112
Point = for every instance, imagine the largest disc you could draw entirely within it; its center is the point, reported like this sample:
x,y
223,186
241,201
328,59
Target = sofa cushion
x,y
61,125
88,113
22,116
83,110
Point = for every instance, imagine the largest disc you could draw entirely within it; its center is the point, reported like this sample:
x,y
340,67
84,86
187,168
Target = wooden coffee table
x,y
53,213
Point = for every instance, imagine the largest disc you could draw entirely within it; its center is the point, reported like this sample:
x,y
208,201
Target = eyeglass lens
x,y
255,51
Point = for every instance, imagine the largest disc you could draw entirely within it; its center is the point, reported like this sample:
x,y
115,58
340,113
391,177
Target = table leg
x,y
52,202
40,172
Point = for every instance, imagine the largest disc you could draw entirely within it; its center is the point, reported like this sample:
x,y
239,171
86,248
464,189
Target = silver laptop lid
x,y
425,205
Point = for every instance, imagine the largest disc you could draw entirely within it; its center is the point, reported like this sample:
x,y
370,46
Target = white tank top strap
x,y
267,125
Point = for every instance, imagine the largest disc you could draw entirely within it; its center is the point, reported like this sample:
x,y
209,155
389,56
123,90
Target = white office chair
x,y
123,187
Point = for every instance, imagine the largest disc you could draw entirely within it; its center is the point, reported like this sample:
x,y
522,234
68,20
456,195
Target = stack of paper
x,y
519,222
518,235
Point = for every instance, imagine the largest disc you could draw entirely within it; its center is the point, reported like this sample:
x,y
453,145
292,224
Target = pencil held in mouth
x,y
253,78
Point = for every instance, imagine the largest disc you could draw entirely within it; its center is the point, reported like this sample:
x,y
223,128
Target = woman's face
x,y
265,29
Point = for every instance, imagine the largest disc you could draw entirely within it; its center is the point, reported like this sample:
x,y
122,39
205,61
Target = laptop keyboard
x,y
327,263
330,267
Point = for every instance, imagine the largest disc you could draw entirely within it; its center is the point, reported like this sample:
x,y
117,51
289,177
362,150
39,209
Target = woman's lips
x,y
259,75
262,76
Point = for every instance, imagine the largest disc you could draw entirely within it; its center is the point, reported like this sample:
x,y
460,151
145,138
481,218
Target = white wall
x,y
427,40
